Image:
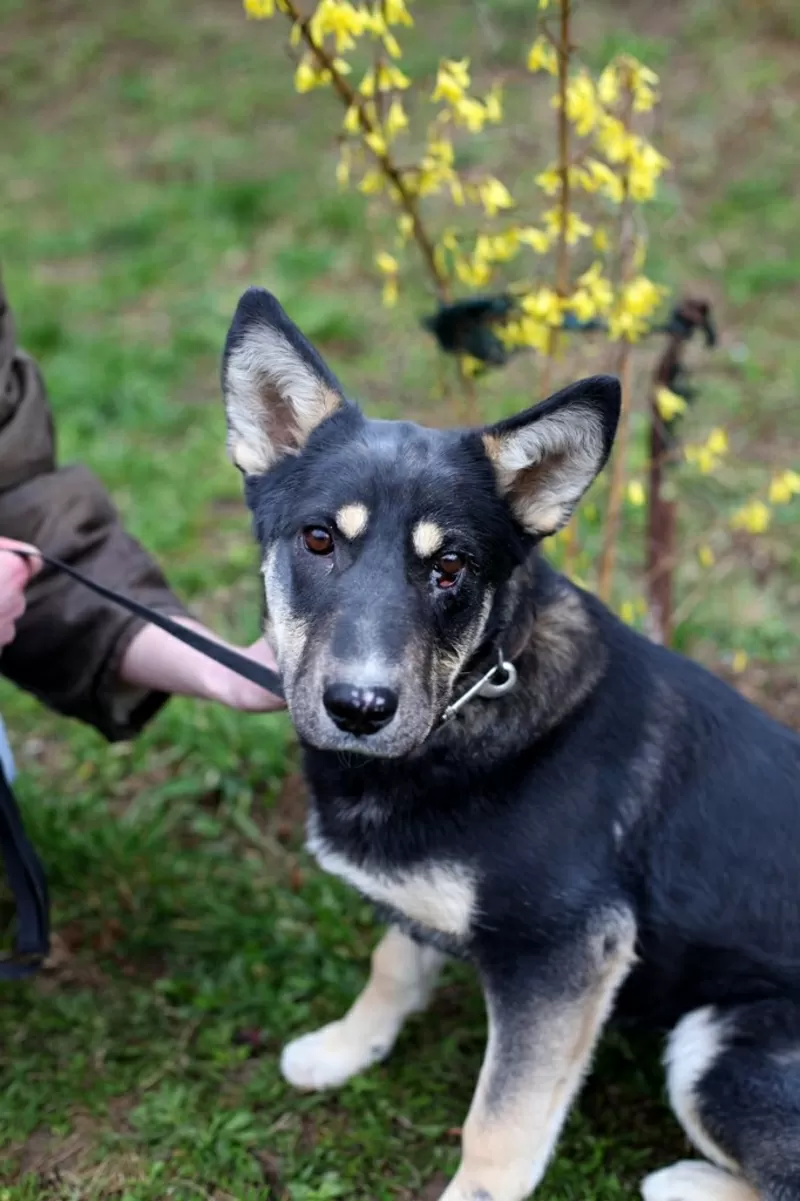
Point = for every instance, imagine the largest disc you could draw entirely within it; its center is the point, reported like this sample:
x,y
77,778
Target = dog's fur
x,y
620,832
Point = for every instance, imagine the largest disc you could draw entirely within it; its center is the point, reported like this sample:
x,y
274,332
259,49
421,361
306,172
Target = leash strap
x,y
255,672
29,885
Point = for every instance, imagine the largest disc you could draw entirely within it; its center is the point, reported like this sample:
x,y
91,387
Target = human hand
x,y
238,693
16,572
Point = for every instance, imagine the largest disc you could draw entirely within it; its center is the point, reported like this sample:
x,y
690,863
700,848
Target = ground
x,y
155,161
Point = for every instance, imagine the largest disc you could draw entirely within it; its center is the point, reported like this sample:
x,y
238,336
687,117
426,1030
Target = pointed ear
x,y
545,458
277,389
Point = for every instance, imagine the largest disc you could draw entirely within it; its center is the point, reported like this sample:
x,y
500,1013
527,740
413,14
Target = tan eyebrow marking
x,y
352,519
427,537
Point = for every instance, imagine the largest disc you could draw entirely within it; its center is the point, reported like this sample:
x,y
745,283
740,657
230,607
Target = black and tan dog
x,y
601,826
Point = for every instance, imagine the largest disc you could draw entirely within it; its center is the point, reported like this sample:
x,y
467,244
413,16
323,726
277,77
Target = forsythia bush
x,y
578,263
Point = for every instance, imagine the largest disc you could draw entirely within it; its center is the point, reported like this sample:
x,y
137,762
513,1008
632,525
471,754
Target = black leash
x,y
23,867
29,886
256,673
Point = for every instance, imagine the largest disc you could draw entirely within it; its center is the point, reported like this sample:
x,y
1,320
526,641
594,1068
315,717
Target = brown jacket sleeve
x,y
69,643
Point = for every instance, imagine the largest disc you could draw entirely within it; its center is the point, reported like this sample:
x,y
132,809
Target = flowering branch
x,y
375,142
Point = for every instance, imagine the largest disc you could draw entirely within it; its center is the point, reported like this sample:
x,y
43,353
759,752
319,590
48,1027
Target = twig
x,y
617,478
562,253
618,463
351,99
563,49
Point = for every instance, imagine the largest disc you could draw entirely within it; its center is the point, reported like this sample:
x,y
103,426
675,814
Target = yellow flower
x,y
469,365
343,168
339,18
456,191
707,457
494,196
386,262
600,178
526,332
537,239
669,404
452,80
310,75
442,150
390,76
475,273
372,183
376,142
582,305
576,227
613,139
494,105
636,303
391,44
405,226
396,13
753,517
396,119
636,493
646,165
783,487
627,612
608,85
470,112
739,661
598,287
717,441
705,555
600,240
582,107
643,82
549,181
352,120
544,306
542,57
259,8
389,292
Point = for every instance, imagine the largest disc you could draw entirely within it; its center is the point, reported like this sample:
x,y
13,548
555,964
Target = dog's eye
x,y
447,569
318,540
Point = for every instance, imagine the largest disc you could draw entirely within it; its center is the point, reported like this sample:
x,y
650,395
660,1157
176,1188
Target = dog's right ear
x,y
277,389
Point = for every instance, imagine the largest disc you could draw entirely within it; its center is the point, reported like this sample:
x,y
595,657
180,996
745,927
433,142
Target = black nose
x,y
359,710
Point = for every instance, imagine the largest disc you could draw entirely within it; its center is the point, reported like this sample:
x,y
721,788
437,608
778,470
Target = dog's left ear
x,y
277,388
545,458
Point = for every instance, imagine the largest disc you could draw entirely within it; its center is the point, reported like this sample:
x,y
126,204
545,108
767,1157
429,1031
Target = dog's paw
x,y
327,1058
695,1180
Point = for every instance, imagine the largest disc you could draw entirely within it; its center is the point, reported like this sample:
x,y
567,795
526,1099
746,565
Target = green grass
x,y
155,162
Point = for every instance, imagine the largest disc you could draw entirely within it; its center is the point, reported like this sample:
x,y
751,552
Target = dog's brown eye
x,y
447,569
318,540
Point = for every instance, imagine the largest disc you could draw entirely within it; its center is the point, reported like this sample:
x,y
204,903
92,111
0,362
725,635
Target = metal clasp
x,y
485,687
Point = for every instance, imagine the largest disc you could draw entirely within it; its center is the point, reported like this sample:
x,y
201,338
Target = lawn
x,y
154,162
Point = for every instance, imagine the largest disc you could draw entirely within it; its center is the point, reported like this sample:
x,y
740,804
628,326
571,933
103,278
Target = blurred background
x,y
154,161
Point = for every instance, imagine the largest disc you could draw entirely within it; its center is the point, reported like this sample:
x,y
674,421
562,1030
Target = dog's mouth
x,y
367,737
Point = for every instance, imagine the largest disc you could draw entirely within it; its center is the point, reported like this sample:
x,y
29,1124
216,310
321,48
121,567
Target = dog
x,y
512,775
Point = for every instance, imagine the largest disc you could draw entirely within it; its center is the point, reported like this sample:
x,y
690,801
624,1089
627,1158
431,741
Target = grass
x,y
155,162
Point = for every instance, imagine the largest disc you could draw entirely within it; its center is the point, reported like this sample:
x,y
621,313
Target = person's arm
x,y
154,659
81,655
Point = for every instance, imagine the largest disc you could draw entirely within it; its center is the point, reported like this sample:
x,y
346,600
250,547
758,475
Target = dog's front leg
x,y
402,978
546,1012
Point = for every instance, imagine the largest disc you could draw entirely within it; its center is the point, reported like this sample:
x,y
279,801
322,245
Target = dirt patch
x,y
63,1163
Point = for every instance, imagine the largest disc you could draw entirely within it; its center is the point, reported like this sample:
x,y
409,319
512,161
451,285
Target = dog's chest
x,y
435,895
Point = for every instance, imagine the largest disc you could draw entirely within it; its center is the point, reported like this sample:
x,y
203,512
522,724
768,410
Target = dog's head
x,y
384,544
